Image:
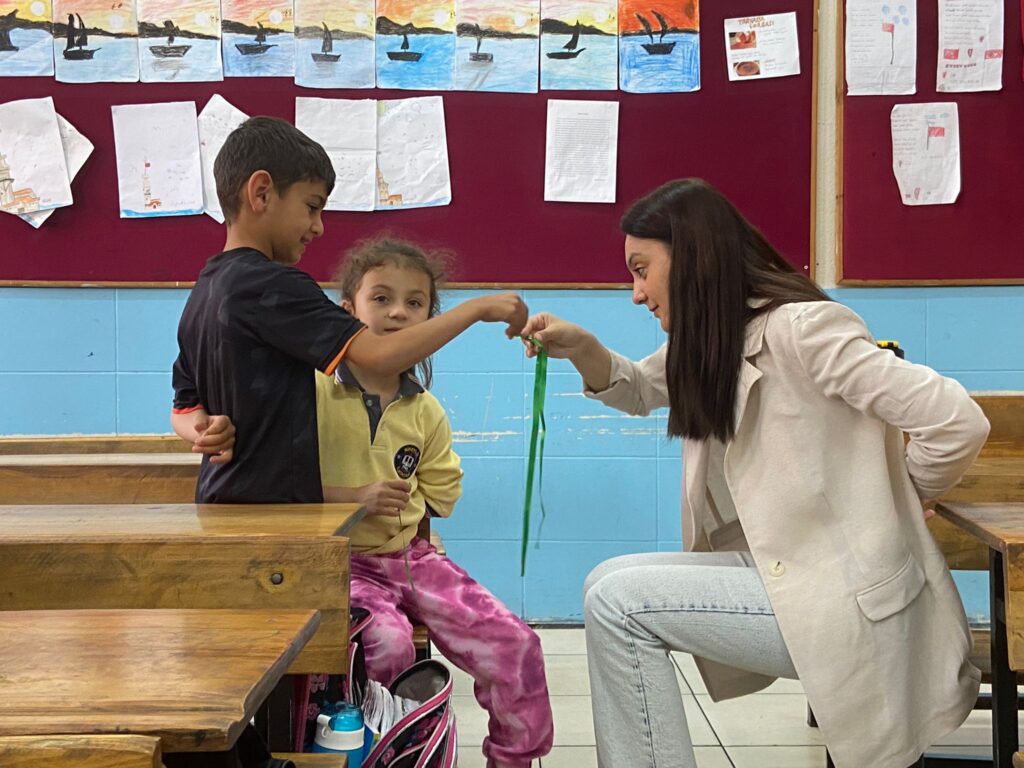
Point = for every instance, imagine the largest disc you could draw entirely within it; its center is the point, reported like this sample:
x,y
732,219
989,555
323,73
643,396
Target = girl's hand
x,y
504,308
560,338
385,497
928,507
216,436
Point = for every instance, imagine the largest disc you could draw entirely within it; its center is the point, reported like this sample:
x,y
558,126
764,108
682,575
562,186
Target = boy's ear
x,y
347,306
257,191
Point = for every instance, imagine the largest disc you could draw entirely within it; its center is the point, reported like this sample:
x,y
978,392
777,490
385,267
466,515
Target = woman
x,y
806,551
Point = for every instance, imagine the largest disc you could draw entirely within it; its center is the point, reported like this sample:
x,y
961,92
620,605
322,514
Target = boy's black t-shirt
x,y
249,338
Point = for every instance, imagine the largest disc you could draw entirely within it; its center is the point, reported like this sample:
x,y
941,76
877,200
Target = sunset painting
x,y
95,41
416,44
334,43
578,45
659,46
257,38
497,45
179,40
26,42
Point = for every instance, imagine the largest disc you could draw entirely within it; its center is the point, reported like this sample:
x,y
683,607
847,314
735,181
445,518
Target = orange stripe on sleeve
x,y
329,370
193,409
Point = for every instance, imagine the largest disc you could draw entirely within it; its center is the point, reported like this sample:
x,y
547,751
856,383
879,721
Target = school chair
x,y
420,635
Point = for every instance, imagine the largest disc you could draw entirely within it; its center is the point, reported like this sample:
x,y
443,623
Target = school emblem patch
x,y
406,460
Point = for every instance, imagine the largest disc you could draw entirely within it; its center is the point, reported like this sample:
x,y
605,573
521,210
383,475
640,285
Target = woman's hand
x,y
560,338
928,507
385,497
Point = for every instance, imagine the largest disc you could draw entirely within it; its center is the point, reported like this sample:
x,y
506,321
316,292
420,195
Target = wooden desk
x,y
274,557
66,751
1000,528
192,678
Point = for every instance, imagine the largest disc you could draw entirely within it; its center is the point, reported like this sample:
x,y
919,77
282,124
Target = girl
x,y
385,442
807,553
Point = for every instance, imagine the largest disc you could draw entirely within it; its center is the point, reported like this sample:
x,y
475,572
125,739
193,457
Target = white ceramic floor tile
x,y
562,641
471,757
567,675
574,721
777,757
569,757
711,757
776,720
977,730
688,667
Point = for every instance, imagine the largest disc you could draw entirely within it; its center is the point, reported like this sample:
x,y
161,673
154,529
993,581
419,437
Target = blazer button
x,y
777,568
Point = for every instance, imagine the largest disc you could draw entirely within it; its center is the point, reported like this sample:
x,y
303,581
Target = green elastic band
x,y
536,458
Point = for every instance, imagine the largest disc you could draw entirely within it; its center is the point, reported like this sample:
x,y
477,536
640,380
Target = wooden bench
x,y
80,751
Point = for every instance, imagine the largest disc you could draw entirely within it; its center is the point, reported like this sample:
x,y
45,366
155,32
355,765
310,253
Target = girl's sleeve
x,y
946,427
439,474
635,387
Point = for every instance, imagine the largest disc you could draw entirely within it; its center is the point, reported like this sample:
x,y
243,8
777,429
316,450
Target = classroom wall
x,y
98,360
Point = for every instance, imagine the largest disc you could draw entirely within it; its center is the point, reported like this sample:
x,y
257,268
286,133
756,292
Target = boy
x,y
254,327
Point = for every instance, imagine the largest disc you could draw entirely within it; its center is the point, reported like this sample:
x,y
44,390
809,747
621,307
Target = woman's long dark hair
x,y
719,262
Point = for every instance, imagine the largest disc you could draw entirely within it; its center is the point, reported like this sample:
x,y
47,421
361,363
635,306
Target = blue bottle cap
x,y
347,718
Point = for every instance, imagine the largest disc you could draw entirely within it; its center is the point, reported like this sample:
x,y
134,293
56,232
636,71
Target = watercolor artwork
x,y
257,38
33,171
159,171
26,38
416,44
334,43
179,41
578,45
659,46
496,45
95,41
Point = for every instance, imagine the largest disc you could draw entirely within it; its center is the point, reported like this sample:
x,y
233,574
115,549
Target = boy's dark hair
x,y
271,145
388,251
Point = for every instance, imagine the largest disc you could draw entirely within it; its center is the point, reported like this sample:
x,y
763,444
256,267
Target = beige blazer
x,y
818,485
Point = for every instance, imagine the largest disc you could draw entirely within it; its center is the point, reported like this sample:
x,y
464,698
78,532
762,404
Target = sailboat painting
x,y
159,172
497,43
257,38
578,45
416,44
334,43
659,46
95,41
179,41
26,38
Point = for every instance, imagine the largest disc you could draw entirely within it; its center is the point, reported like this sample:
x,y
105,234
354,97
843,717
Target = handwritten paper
x,y
970,45
158,167
412,154
581,151
347,129
757,47
77,149
218,119
33,172
881,47
926,152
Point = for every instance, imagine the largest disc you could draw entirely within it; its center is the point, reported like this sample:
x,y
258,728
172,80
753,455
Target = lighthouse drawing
x,y
14,200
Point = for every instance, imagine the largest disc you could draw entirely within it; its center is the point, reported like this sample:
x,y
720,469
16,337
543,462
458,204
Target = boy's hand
x,y
504,308
216,437
385,497
561,339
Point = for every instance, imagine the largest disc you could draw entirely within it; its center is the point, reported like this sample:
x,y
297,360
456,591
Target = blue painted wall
x,y
98,361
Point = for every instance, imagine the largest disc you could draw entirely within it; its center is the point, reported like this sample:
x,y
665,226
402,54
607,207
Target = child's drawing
x,y
412,154
416,44
334,43
26,38
179,40
579,47
659,46
158,166
33,172
95,41
497,45
257,38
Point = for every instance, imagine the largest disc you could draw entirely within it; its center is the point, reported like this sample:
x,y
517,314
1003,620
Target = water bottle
x,y
341,732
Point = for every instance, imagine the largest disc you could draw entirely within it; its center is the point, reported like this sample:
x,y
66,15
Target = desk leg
x,y
202,759
1004,680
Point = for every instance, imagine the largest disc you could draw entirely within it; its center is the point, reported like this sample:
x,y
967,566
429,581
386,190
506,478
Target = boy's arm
x,y
400,351
214,435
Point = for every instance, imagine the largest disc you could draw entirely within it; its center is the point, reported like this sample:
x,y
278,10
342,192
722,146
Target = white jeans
x,y
640,607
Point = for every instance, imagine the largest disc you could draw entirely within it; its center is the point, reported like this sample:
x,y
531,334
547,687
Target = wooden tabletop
x,y
192,678
999,525
101,459
126,521
82,751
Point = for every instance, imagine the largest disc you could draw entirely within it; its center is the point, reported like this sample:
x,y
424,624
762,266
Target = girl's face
x,y
649,261
391,298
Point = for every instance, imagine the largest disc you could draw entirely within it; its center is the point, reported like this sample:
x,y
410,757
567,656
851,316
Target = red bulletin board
x,y
753,140
977,240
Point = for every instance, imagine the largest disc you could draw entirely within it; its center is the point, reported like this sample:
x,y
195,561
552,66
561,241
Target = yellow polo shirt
x,y
413,442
